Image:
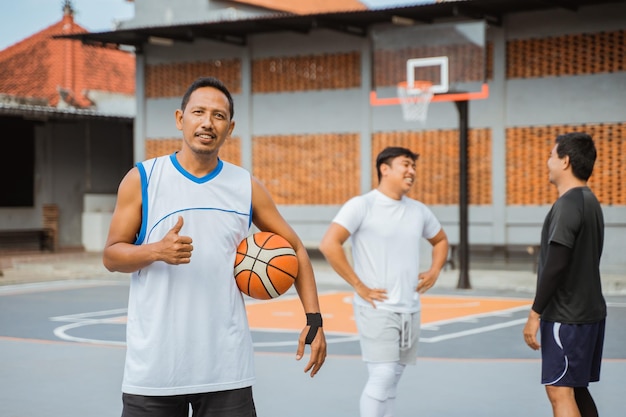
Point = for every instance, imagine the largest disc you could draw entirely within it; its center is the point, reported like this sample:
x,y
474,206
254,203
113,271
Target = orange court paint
x,y
286,313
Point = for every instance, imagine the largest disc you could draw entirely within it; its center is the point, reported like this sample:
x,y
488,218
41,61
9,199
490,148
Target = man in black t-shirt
x,y
569,309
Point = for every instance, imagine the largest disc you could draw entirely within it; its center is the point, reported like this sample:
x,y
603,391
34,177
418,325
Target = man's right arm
x,y
120,252
331,247
552,275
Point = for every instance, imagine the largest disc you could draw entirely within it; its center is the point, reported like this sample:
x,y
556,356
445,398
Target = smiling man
x,y
176,226
386,228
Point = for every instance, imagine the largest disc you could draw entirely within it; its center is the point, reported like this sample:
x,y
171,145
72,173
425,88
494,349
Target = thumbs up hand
x,y
175,248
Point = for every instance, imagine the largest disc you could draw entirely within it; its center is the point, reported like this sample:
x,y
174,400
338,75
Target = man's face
x,y
205,122
555,165
401,173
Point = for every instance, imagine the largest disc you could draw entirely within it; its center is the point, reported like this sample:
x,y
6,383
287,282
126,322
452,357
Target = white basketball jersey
x,y
187,328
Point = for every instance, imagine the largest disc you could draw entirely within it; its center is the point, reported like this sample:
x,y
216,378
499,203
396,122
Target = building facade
x,y
305,127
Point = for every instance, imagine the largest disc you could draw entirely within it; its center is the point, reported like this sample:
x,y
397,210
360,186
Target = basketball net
x,y
415,100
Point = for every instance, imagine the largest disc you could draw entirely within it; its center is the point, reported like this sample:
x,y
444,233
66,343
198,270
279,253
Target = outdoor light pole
x,y
464,281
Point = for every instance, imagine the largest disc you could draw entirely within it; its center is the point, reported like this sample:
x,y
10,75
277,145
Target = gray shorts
x,y
386,336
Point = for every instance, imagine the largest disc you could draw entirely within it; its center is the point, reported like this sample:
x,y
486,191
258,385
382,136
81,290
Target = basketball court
x,y
62,345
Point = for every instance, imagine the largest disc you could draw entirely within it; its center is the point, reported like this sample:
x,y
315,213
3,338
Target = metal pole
x,y
464,281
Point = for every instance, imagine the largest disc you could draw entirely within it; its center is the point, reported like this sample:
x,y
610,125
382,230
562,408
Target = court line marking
x,y
49,341
484,329
60,333
83,319
55,286
474,331
478,316
86,319
79,316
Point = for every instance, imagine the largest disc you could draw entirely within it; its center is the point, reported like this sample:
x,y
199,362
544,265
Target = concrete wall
x,y
96,218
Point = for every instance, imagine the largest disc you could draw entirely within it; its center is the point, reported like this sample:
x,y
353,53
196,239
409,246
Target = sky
x,y
20,19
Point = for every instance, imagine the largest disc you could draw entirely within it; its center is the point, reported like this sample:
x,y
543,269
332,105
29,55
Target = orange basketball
x,y
266,266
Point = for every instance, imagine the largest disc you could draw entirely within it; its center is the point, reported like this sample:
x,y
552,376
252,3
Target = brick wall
x,y
172,80
528,149
308,169
575,54
324,168
306,73
438,165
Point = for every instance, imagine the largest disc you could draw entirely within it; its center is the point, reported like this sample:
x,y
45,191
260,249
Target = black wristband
x,y
315,321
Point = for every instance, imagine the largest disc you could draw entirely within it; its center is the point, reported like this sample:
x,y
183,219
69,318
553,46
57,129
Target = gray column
x,y
498,136
139,142
366,125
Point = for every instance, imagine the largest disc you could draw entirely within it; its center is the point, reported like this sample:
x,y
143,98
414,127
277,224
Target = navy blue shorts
x,y
231,403
571,353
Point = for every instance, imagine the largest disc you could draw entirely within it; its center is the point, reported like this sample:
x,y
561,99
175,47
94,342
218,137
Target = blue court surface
x,y
62,349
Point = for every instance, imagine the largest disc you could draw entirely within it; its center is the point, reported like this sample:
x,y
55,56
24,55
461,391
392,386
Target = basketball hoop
x,y
415,100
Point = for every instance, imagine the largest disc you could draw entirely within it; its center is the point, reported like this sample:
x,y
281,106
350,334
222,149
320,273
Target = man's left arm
x,y
266,217
439,256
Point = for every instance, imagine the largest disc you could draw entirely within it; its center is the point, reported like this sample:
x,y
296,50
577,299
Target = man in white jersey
x,y
176,226
385,228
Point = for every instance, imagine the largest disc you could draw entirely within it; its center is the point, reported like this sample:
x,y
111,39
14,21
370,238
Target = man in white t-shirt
x,y
386,228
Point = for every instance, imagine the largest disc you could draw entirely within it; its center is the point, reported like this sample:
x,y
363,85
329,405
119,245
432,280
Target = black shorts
x,y
231,403
571,353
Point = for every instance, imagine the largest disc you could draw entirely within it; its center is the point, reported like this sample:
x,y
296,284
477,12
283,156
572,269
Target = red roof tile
x,y
308,7
42,67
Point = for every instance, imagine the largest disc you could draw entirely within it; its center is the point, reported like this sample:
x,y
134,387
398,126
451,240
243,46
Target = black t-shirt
x,y
576,222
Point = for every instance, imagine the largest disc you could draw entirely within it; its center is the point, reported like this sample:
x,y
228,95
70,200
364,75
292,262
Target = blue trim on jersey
x,y
144,201
250,214
193,178
195,208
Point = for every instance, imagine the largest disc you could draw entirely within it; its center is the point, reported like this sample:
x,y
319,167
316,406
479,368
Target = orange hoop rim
x,y
419,86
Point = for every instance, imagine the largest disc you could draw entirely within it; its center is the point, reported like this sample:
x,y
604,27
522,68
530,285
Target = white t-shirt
x,y
187,328
386,235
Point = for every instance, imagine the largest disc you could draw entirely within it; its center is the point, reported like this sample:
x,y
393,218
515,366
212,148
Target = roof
x,y
307,7
61,71
352,22
42,113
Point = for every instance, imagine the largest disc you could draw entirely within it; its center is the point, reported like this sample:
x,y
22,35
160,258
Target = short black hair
x,y
209,82
580,148
389,154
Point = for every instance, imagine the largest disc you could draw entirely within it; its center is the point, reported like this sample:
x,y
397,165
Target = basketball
x,y
266,266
